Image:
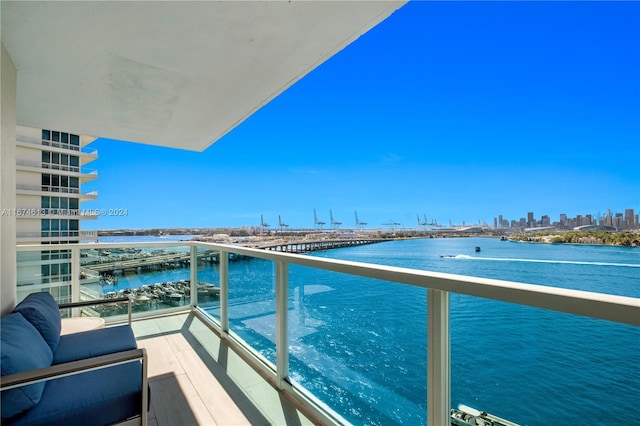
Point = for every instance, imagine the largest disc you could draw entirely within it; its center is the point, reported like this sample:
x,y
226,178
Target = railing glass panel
x,y
534,366
154,278
252,303
208,280
367,364
47,269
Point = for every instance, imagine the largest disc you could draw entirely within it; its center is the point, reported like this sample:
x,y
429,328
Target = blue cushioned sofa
x,y
96,377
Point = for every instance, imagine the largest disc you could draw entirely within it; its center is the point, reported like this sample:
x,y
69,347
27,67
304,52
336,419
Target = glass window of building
x,y
46,271
46,135
64,137
55,136
75,140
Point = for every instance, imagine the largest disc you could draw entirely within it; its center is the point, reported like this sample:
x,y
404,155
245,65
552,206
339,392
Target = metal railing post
x,y
282,343
75,279
224,292
438,358
193,275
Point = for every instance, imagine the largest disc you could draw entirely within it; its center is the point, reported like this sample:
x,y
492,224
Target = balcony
x,y
56,213
205,367
40,167
57,146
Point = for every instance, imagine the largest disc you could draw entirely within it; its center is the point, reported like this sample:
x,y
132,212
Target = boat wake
x,y
565,262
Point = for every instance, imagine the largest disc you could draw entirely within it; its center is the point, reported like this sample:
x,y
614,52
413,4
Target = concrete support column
x,y
8,79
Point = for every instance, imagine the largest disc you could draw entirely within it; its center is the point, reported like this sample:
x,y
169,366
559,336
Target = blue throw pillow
x,y
41,310
23,348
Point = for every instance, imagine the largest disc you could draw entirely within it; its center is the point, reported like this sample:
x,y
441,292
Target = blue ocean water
x,y
360,344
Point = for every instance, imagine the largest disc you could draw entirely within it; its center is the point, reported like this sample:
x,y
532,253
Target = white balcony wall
x,y
28,154
29,132
28,178
28,226
8,84
27,202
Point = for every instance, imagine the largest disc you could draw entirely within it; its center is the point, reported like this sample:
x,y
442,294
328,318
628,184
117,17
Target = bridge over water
x,y
308,246
166,260
145,263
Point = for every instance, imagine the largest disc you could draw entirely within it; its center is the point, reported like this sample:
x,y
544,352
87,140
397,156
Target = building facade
x,y
49,176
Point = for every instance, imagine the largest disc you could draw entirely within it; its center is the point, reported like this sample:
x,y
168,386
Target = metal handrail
x,y
622,309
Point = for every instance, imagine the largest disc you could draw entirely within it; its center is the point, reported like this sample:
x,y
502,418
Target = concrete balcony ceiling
x,y
170,73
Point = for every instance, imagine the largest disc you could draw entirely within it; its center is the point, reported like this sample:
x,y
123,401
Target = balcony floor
x,y
196,379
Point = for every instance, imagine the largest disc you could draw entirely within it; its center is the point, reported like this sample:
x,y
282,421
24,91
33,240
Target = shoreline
x,y
619,239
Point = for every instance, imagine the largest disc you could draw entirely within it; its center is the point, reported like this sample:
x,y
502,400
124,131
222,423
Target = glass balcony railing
x,y
300,320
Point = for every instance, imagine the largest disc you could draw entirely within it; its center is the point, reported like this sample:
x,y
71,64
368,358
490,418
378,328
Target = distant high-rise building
x,y
618,221
563,219
608,220
49,175
545,220
531,221
629,219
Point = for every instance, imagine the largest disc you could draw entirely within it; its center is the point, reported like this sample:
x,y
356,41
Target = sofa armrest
x,y
97,302
82,366
69,368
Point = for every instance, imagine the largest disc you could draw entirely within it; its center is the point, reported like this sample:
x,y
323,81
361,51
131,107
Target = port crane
x,y
317,223
334,224
425,223
281,224
263,225
359,224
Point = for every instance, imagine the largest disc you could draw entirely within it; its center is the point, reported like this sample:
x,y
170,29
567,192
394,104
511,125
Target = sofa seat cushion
x,y
23,349
41,310
87,344
99,397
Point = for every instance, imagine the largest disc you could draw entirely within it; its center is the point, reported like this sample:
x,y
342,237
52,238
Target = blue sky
x,y
458,110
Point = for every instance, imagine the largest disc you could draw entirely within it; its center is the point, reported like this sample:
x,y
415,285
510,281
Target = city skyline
x,y
628,219
458,110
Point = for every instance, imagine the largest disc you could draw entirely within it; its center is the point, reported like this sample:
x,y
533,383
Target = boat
x,y
477,248
468,416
